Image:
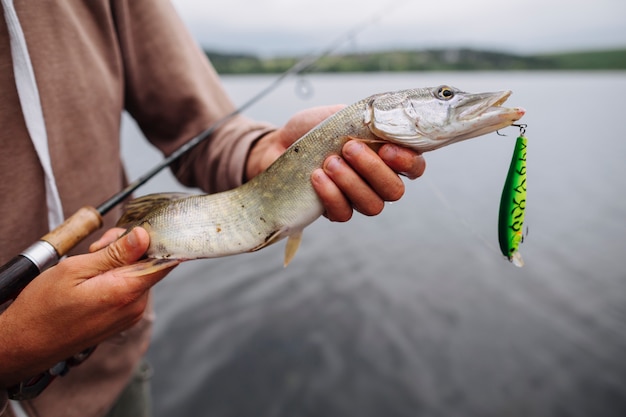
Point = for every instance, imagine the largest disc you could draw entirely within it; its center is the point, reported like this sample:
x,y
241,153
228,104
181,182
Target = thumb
x,y
107,238
126,250
115,272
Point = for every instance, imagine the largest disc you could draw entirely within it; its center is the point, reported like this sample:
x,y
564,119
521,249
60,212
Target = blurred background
x,y
280,27
415,312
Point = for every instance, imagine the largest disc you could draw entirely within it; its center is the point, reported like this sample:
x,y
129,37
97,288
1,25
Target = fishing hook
x,y
522,129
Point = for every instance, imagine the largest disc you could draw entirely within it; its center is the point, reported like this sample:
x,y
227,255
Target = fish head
x,y
429,118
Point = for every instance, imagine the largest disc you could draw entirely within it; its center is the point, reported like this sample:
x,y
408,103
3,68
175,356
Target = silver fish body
x,y
280,202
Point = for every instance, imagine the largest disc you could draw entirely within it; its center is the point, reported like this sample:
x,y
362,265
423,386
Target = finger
x,y
124,251
381,178
403,161
107,238
127,284
363,198
337,206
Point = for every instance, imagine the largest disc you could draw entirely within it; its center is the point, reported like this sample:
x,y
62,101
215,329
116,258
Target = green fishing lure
x,y
513,204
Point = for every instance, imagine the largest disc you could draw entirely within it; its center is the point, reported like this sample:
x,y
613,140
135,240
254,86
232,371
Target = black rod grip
x,y
15,275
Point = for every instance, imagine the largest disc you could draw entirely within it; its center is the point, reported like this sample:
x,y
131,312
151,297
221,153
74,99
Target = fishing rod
x,y
46,252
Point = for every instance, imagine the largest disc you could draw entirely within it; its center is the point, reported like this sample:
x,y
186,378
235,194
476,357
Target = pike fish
x,y
280,202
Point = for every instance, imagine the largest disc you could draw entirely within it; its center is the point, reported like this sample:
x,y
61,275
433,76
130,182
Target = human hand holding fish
x,y
110,285
354,177
282,200
107,290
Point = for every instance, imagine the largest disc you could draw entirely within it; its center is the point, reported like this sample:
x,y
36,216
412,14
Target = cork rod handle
x,y
74,229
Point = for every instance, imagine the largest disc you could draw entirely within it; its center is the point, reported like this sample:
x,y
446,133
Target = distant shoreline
x,y
462,59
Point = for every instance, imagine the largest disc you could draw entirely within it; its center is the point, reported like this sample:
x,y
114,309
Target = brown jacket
x,y
93,59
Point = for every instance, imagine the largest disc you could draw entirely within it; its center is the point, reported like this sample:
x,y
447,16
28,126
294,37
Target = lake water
x,y
415,312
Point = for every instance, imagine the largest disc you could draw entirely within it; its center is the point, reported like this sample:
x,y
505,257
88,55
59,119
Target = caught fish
x,y
513,205
280,202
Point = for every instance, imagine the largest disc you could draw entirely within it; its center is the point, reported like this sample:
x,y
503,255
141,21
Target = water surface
x,y
415,312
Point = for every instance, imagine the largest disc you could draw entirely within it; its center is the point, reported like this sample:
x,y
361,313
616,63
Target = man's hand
x,y
77,304
363,179
360,178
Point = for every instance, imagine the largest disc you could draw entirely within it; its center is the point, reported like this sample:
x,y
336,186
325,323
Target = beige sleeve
x,y
174,93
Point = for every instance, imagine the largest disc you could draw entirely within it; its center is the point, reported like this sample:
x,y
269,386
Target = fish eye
x,y
445,92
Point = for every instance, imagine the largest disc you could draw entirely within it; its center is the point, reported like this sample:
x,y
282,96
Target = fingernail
x,y
353,147
317,176
131,238
333,164
95,246
388,152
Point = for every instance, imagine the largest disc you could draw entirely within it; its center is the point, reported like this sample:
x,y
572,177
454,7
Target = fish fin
x,y
293,243
138,208
368,141
271,239
374,144
147,267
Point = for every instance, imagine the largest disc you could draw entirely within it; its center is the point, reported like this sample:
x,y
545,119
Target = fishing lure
x,y
513,203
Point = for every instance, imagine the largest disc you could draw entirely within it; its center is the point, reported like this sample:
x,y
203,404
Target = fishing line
x,y
460,216
21,269
304,64
304,88
508,187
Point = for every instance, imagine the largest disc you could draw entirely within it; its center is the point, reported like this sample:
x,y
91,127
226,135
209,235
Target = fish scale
x,y
281,201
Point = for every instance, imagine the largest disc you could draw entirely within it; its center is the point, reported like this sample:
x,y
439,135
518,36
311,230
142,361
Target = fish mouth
x,y
483,113
489,106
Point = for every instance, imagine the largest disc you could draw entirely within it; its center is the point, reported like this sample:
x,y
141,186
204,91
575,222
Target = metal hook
x,y
522,129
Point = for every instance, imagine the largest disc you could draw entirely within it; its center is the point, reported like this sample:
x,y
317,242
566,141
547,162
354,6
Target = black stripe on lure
x,y
513,203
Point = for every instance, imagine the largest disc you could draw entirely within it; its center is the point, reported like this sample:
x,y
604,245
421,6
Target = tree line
x,y
462,59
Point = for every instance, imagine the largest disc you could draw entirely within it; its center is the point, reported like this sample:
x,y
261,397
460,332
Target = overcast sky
x,y
274,27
